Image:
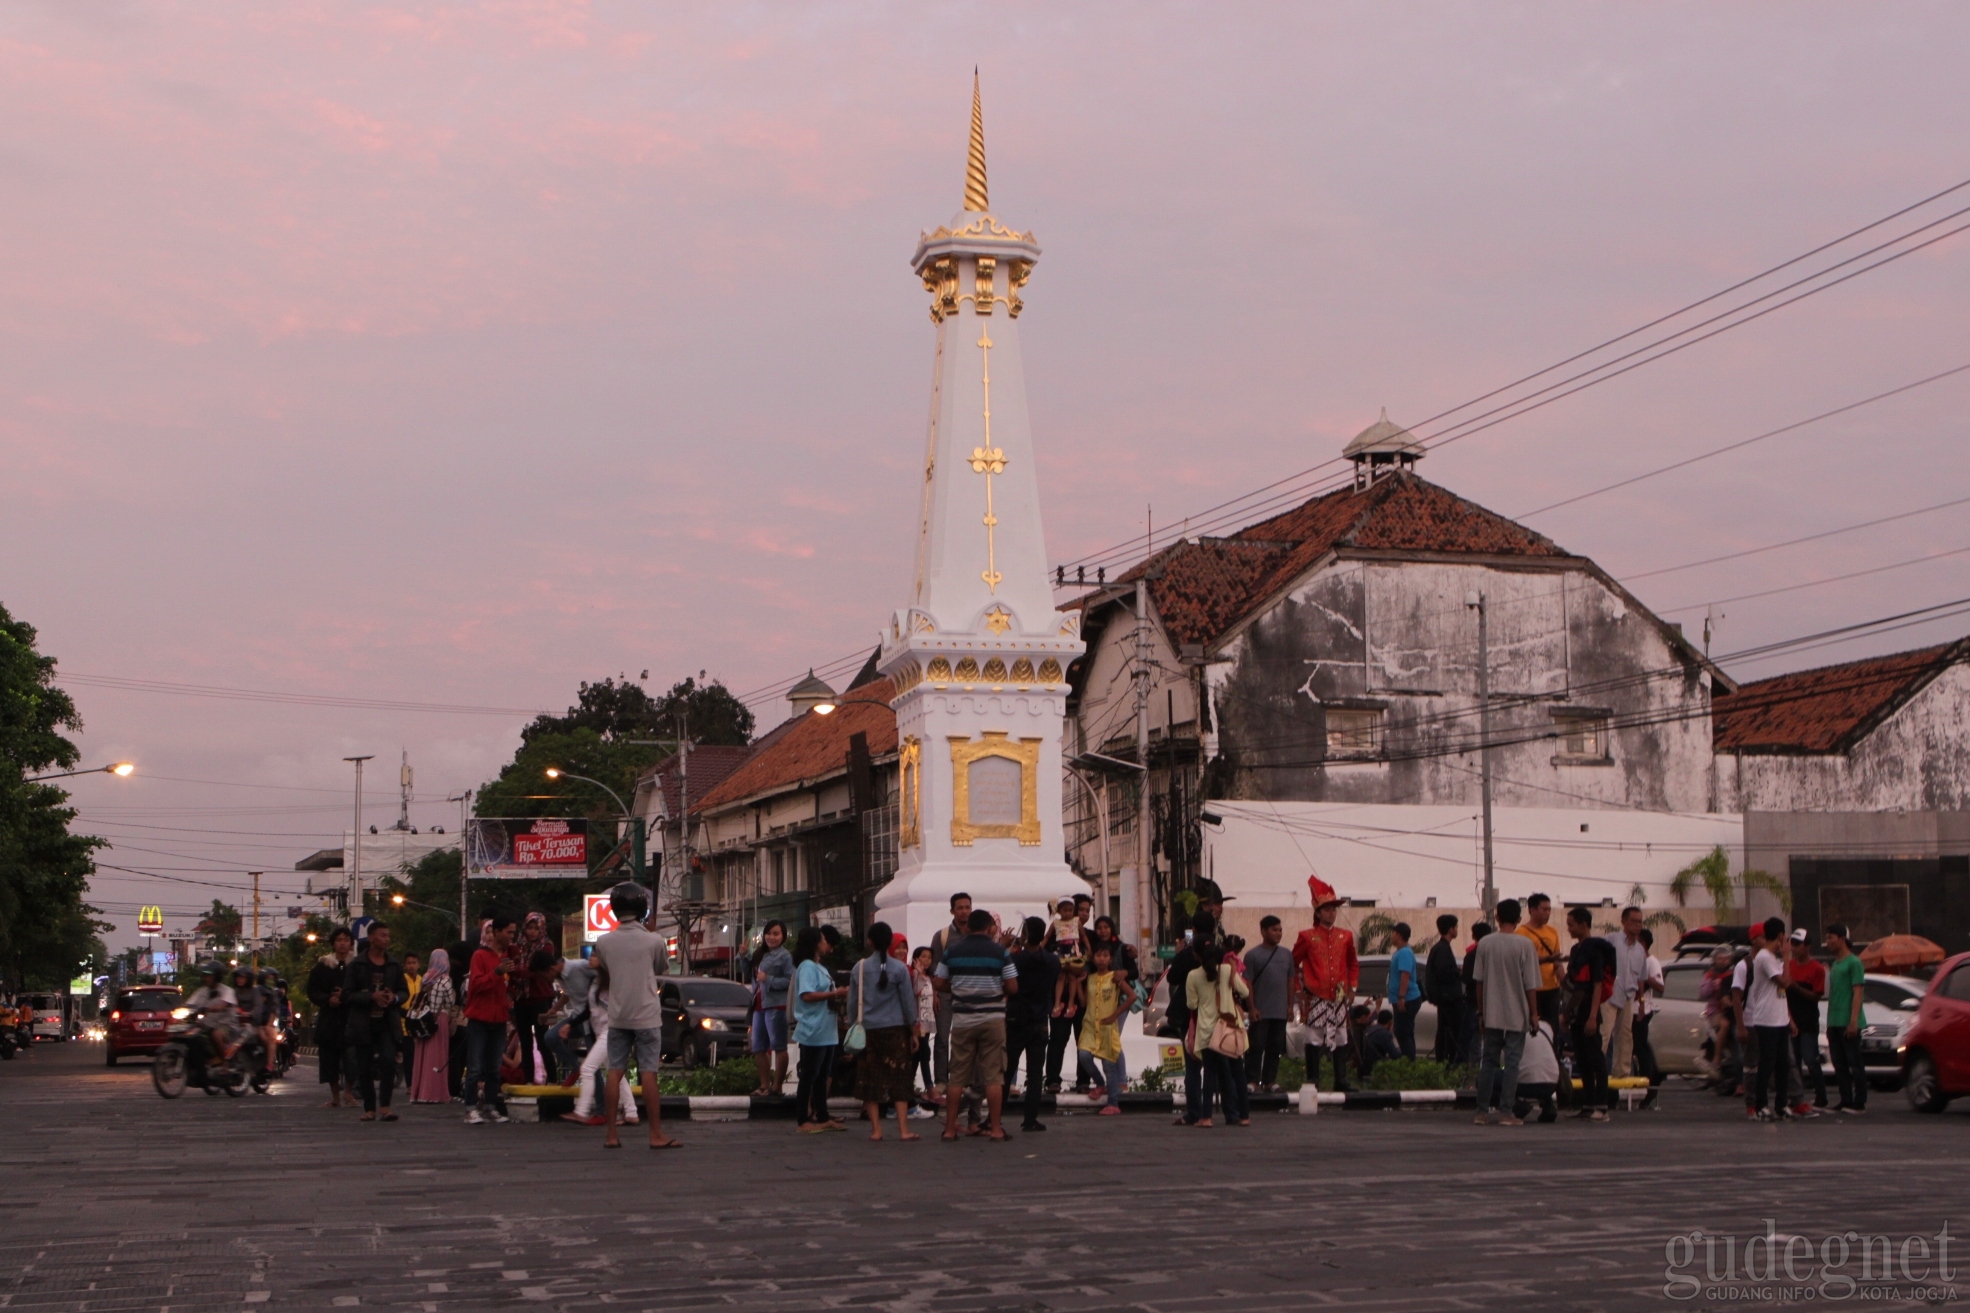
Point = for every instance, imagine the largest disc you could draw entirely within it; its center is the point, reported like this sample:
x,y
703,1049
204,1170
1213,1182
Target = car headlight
x,y
713,1023
179,1014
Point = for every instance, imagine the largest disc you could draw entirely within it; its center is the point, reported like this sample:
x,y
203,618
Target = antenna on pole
x,y
403,794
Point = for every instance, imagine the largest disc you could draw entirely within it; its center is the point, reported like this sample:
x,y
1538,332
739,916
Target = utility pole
x,y
256,920
464,858
1144,882
683,829
356,841
1477,601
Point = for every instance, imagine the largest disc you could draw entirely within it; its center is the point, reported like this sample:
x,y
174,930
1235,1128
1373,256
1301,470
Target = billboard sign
x,y
150,920
526,848
597,918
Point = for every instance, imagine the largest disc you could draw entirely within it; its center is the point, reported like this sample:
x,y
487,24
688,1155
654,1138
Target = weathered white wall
x,y
1918,760
1402,856
1398,634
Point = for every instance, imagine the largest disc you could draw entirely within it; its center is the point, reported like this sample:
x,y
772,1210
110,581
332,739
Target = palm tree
x,y
1713,872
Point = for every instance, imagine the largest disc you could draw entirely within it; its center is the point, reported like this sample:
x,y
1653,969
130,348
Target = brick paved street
x,y
124,1201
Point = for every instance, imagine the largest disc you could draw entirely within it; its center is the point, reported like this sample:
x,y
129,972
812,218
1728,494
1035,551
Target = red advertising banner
x,y
526,848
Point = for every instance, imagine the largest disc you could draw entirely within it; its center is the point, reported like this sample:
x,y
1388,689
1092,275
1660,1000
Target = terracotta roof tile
x,y
1204,588
812,746
1827,709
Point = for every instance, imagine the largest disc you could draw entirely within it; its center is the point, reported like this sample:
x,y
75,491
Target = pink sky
x,y
460,353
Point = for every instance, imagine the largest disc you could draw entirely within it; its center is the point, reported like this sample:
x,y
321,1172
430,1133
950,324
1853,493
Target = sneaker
x,y
922,1114
1110,1111
1482,1119
1803,1111
590,1119
1517,1121
1763,1115
495,1115
475,1118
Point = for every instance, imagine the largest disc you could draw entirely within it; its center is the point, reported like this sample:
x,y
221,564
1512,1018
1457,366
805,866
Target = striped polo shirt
x,y
977,969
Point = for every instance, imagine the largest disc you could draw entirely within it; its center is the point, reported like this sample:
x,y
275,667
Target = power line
x,y
1794,542
1245,506
1816,583
1746,442
294,699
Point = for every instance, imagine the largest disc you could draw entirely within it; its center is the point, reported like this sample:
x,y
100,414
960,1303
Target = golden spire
x,y
974,168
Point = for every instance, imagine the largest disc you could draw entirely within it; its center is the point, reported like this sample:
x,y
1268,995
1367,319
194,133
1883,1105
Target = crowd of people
x,y
941,1030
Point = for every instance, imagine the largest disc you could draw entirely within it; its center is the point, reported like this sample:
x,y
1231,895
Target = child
x,y
1064,937
1539,1078
1101,1024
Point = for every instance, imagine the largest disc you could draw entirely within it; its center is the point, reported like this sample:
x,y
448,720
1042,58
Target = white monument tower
x,y
980,655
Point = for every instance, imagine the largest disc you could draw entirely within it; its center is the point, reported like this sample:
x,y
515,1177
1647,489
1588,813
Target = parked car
x,y
1892,1004
139,1021
705,1019
1936,1045
54,1017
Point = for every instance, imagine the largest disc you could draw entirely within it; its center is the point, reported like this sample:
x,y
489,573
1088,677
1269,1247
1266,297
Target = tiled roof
x,y
1205,587
812,746
1828,709
709,766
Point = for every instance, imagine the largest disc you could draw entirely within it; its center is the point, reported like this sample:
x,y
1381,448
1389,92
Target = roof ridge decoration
x,y
975,195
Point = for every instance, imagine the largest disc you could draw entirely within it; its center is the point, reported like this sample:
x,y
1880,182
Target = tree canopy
x,y
620,708
47,930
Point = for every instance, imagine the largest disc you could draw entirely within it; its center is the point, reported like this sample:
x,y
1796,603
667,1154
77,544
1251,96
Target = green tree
x,y
1728,895
220,925
621,709
47,930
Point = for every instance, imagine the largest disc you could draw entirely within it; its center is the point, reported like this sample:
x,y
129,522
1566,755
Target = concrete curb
x,y
739,1108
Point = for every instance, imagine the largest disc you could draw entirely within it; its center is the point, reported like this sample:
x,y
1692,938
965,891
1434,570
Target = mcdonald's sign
x,y
150,920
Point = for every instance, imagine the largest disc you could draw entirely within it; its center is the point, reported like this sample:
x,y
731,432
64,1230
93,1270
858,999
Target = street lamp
x,y
121,769
635,822
398,900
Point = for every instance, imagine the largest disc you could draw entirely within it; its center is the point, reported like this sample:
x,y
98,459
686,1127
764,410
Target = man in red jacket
x,y
488,1005
1329,973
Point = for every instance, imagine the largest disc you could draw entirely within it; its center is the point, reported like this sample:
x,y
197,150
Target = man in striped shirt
x,y
979,976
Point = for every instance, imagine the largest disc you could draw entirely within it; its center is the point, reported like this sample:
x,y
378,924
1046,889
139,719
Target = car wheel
x,y
1924,1090
690,1056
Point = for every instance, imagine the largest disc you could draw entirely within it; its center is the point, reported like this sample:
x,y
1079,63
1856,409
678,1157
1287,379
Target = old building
x,y
1309,688
663,796
1854,781
803,828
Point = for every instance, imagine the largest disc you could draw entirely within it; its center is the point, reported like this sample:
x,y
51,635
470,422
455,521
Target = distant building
x,y
1854,781
385,854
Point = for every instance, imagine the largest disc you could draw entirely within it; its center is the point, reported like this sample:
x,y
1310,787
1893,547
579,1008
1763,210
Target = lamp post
x,y
356,837
464,857
120,769
635,822
1479,603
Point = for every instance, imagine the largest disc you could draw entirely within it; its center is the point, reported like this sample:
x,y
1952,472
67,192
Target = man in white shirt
x,y
1767,1018
628,960
1630,974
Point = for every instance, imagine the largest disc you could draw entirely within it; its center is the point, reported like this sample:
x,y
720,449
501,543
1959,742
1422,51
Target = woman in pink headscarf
x,y
431,1060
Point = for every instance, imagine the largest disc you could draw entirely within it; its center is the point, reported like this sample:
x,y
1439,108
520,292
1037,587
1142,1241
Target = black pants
x,y
925,1046
407,1052
1268,1047
1028,1039
1849,1069
525,1015
1590,1061
373,1056
1774,1065
1536,1094
1340,1056
1645,1062
817,1067
1450,1032
1064,1029
1548,1003
1806,1048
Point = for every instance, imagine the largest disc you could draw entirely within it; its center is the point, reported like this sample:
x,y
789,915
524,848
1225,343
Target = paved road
x,y
122,1201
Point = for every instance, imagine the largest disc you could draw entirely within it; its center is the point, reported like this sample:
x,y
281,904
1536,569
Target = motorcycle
x,y
9,1045
191,1057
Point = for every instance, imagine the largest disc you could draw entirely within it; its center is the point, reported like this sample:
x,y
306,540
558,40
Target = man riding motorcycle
x,y
216,998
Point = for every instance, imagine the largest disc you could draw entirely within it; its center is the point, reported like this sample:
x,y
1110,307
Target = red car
x,y
1936,1045
139,1021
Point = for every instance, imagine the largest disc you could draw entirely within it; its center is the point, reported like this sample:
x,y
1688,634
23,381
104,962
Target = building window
x,y
1353,733
1584,738
779,870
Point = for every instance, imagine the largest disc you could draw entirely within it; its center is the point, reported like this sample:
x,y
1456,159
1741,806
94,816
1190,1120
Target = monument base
x,y
918,905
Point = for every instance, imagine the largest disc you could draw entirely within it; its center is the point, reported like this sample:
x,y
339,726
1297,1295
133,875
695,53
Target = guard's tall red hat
x,y
1323,893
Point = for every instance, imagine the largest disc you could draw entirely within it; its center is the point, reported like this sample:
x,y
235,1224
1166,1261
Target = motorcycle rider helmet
x,y
211,968
630,902
244,971
269,976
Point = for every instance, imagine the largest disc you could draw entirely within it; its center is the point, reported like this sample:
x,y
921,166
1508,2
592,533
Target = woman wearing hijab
x,y
431,1059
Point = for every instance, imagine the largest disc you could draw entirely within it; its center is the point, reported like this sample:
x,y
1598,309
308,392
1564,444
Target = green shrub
x,y
732,1076
1416,1074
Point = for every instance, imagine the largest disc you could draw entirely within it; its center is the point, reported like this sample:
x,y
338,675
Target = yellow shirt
x,y
1104,994
1545,943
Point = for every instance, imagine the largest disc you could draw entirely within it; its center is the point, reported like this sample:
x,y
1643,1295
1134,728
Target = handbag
x,y
1227,1036
424,1025
857,1038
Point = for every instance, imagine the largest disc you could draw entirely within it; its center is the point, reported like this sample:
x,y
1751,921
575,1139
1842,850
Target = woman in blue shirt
x,y
1405,990
815,1031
